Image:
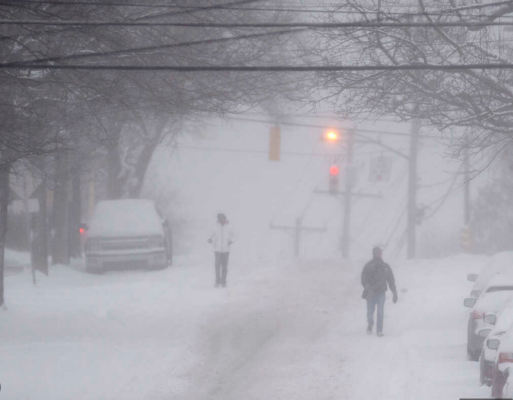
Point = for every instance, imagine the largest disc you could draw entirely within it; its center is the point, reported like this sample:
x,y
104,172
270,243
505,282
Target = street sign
x,y
24,183
18,206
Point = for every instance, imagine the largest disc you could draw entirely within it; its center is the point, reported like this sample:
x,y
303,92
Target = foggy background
x,y
225,168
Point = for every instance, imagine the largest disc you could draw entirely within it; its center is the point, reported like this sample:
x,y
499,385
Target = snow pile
x,y
278,331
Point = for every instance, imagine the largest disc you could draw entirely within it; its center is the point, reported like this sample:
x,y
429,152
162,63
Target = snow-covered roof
x,y
127,217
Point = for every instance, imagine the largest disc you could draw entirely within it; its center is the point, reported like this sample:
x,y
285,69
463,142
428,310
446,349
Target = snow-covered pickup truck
x,y
126,234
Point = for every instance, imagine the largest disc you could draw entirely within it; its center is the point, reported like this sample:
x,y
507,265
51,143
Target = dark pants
x,y
374,300
221,267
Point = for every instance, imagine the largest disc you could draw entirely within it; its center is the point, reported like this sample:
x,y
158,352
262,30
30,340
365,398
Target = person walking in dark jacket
x,y
376,275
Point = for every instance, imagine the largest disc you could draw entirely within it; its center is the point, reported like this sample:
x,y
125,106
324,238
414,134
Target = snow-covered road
x,y
293,331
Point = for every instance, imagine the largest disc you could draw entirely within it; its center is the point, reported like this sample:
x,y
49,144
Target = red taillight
x,y
477,314
505,358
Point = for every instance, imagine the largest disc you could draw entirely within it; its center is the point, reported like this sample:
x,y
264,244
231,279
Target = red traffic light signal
x,y
333,181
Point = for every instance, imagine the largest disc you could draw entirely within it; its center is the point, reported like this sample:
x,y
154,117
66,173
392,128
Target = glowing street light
x,y
332,136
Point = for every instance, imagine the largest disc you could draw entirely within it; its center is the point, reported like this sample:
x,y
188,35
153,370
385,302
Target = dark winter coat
x,y
375,276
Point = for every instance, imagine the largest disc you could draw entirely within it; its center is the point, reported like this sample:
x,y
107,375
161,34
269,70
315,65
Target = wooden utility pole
x,y
297,230
28,225
348,195
60,254
466,186
412,190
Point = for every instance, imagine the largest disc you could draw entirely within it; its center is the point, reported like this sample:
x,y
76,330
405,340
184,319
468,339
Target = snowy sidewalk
x,y
277,332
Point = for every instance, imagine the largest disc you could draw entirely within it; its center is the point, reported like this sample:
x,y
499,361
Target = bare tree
x,y
480,101
68,113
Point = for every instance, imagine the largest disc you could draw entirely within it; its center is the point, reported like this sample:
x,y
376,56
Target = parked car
x,y
503,360
500,263
501,324
126,234
507,391
492,300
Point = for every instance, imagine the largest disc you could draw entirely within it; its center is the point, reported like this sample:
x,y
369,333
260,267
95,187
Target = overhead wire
x,y
289,8
262,25
260,68
250,151
145,49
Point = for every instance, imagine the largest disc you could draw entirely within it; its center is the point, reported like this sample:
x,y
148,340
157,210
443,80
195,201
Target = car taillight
x,y
477,314
505,358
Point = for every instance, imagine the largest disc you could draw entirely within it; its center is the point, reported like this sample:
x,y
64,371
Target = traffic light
x,y
333,179
274,144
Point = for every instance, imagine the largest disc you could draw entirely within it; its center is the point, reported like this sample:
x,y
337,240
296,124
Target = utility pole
x,y
466,231
28,226
466,186
297,230
348,195
412,189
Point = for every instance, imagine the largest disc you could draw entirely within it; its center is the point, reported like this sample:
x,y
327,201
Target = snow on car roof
x,y
500,263
127,217
505,317
500,279
503,259
507,340
493,302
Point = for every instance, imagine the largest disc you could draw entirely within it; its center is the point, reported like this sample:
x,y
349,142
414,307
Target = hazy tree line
x,y
61,124
473,108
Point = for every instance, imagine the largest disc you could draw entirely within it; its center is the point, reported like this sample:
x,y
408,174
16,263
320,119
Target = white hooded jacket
x,y
222,237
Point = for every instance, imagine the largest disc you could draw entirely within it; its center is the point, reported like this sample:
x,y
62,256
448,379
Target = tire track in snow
x,y
282,346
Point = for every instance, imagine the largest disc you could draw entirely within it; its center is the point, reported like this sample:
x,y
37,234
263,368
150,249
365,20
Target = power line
x,y
289,8
310,25
205,8
161,47
250,151
298,124
268,68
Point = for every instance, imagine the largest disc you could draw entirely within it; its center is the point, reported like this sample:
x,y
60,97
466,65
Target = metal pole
x,y
412,189
346,234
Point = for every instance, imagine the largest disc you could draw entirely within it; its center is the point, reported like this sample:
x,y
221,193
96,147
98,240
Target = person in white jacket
x,y
221,238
